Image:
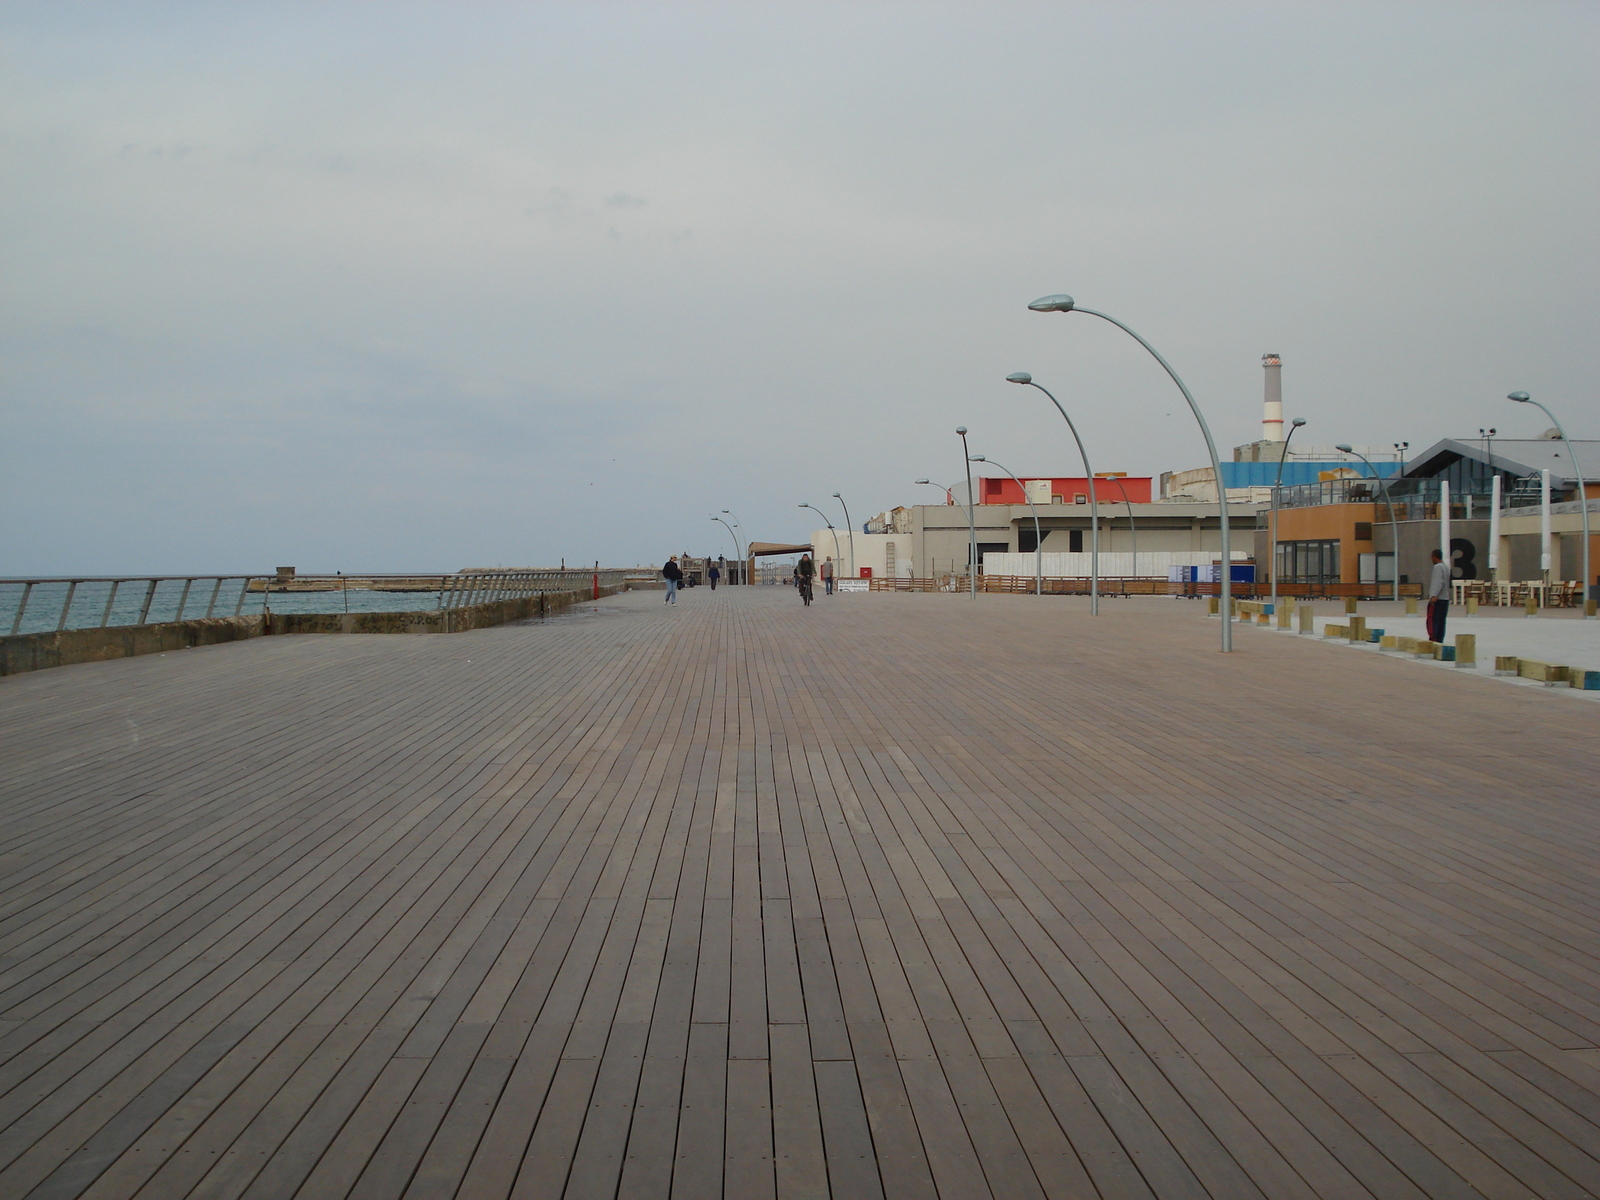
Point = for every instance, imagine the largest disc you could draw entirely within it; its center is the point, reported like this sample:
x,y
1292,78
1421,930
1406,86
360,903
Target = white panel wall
x,y
1153,564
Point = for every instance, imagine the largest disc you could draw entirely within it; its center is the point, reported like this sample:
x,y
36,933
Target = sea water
x,y
89,603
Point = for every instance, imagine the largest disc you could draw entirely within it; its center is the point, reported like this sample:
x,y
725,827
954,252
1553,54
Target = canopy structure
x,y
763,549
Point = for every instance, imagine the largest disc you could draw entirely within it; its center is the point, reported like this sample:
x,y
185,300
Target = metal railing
x,y
41,605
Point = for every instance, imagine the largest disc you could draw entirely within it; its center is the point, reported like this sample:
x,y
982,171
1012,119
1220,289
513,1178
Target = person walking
x,y
1438,598
805,570
826,571
673,574
713,574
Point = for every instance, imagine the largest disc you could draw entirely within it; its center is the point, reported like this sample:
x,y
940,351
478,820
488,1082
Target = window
x,y
1057,498
1079,498
1308,562
1075,541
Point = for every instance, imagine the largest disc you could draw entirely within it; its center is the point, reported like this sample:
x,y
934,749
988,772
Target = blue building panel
x,y
1264,474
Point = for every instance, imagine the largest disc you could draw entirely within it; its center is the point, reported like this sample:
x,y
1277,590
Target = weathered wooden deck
x,y
907,896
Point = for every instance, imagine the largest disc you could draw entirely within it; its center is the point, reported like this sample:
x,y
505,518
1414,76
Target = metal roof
x,y
1519,456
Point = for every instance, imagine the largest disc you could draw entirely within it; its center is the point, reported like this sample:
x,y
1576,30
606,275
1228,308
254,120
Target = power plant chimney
x,y
1272,405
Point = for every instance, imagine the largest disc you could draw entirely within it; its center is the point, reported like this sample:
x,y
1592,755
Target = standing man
x,y
713,574
1438,598
827,576
673,574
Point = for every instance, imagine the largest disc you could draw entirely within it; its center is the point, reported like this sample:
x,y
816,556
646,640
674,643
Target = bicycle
x,y
805,589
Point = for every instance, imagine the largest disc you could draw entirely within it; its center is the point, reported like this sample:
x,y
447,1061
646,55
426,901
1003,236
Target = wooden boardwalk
x,y
900,896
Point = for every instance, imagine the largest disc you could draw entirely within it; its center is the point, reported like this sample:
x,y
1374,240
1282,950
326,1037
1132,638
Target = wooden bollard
x,y
1211,606
1411,606
1358,629
1472,606
1350,604
1466,650
1305,612
1285,611
1530,607
1506,664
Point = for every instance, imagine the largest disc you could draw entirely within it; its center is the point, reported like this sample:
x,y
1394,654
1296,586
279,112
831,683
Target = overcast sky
x,y
383,286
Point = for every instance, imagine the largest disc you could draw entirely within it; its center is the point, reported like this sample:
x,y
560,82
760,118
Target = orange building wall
x,y
1326,523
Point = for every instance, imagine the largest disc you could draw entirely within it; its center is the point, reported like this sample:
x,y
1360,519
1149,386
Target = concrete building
x,y
1340,531
941,538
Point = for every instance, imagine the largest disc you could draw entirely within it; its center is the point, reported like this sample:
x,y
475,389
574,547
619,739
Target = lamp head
x,y
962,430
1519,397
921,481
977,458
1057,303
836,496
1297,422
1343,449
1019,377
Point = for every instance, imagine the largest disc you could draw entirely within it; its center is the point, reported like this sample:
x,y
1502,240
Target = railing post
x,y
214,591
22,606
244,589
183,598
72,588
149,595
105,614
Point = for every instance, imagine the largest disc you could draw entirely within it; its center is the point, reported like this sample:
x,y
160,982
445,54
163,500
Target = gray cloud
x,y
506,283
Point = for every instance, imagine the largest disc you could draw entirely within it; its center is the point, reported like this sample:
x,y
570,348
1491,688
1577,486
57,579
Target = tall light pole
x,y
852,530
949,495
1061,303
1272,538
1132,532
1094,501
1394,525
732,534
972,518
1038,536
737,525
831,529
1583,497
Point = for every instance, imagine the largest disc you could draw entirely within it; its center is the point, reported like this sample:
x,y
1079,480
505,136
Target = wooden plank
x,y
745,897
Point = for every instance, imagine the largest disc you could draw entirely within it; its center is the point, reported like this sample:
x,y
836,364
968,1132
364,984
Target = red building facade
x,y
1109,489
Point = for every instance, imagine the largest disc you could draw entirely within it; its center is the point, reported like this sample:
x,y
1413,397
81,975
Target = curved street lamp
x,y
1094,501
731,534
1038,537
1583,496
743,561
831,529
1272,539
1063,303
972,517
852,530
1394,525
1132,532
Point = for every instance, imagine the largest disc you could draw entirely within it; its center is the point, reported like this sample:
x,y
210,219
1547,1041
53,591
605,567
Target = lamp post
x,y
1038,537
737,525
1094,501
1061,303
1132,532
852,530
1394,525
1583,496
1272,540
737,551
831,529
972,518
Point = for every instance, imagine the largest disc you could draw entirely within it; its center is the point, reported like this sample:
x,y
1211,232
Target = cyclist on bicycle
x,y
806,570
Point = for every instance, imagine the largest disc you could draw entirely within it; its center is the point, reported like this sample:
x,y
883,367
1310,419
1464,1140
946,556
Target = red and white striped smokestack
x,y
1272,405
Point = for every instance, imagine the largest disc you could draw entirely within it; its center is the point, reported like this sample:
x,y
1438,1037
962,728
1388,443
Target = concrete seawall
x,y
38,651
